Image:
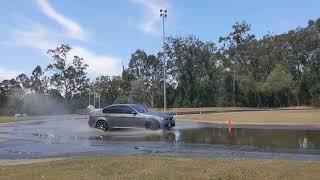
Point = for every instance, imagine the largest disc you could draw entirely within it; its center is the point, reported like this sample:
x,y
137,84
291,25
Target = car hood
x,y
161,114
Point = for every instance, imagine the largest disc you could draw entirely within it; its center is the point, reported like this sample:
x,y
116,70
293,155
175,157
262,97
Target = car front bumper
x,y
166,124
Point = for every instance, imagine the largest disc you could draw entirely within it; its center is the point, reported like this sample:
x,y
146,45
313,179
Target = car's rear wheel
x,y
102,125
152,125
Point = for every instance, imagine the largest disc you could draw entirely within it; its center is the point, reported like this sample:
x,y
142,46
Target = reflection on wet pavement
x,y
67,135
254,137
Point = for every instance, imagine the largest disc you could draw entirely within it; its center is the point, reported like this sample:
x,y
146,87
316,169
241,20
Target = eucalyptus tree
x,y
147,72
39,82
194,68
235,54
71,78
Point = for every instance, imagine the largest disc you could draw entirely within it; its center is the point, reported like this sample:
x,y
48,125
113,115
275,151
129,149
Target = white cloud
x,y
151,22
98,64
7,74
34,35
74,30
37,36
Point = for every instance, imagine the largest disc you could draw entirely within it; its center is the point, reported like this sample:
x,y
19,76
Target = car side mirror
x,y
133,112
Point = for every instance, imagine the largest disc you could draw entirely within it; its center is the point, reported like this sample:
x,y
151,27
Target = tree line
x,y
238,70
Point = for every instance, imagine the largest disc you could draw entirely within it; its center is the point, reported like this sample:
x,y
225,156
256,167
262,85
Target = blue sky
x,y
107,32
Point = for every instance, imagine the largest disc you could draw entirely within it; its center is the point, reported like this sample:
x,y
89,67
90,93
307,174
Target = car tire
x,y
102,125
152,125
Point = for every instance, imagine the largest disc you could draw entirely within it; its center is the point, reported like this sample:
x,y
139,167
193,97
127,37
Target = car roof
x,y
122,105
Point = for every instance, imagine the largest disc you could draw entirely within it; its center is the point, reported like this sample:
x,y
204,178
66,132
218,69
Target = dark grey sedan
x,y
129,115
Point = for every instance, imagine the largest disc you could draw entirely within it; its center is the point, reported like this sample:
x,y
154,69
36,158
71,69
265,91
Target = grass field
x,y
4,119
8,119
287,117
162,167
228,109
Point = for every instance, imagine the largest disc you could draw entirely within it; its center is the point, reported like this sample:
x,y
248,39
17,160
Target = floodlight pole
x,y
94,99
89,99
163,14
99,101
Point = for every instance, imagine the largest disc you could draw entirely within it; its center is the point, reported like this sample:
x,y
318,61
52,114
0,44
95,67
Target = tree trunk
x,y
152,98
288,98
272,97
233,89
297,98
278,100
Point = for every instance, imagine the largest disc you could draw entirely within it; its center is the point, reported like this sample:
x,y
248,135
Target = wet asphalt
x,y
60,136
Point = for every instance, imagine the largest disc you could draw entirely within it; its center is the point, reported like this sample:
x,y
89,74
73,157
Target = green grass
x,y
8,119
4,119
162,167
310,116
286,117
226,109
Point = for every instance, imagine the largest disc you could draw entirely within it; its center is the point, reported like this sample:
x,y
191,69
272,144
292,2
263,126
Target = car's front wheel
x,y
102,125
152,125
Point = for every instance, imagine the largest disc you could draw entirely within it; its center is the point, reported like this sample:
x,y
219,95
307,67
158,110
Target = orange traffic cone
x,y
229,124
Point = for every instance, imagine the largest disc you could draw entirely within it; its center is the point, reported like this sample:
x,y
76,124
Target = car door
x,y
139,119
120,116
127,116
110,114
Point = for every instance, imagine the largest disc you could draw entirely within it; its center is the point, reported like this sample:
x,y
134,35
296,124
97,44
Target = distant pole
x,y
163,14
94,100
122,67
89,98
99,101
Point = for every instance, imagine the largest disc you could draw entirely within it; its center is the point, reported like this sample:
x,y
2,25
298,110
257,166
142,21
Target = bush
x,y
315,92
316,101
122,99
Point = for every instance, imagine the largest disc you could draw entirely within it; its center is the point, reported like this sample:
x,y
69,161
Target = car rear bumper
x,y
92,122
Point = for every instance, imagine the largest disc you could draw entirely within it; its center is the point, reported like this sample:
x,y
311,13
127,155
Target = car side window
x,y
125,110
118,110
109,110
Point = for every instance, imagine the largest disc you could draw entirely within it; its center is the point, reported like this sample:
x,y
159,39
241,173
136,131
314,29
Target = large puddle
x,y
70,135
260,138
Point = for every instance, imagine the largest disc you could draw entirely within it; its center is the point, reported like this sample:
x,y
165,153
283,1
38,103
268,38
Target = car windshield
x,y
140,108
